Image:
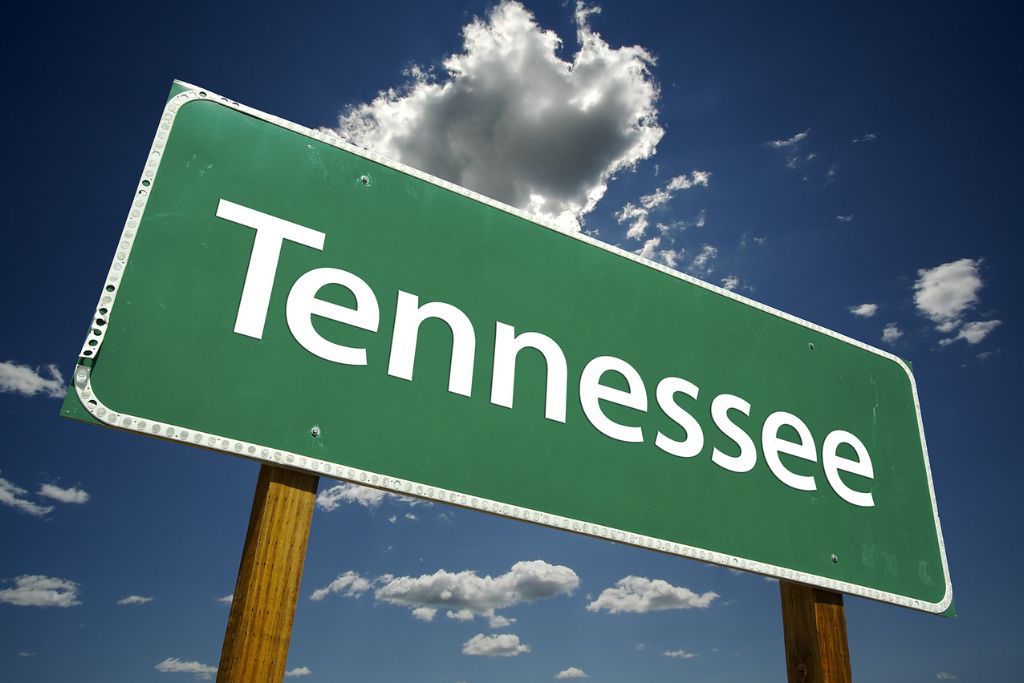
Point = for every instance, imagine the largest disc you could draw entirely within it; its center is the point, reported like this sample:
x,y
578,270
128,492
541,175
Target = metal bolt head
x,y
835,558
315,430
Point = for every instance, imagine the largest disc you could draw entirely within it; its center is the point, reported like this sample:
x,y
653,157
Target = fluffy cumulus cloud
x,y
464,595
944,293
678,654
512,120
864,310
174,665
653,251
500,645
349,584
72,495
638,594
571,672
134,600
730,282
332,498
298,671
27,381
891,333
13,496
41,591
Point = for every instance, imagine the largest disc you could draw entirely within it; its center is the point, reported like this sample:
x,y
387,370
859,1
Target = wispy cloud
x,y
27,381
973,333
227,599
134,600
703,261
678,654
945,676
298,671
349,584
845,218
500,645
332,498
638,217
571,672
640,595
783,143
12,495
864,310
72,495
730,282
41,591
867,137
174,665
511,119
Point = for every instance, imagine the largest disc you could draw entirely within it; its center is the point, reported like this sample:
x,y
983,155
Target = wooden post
x,y
260,623
814,626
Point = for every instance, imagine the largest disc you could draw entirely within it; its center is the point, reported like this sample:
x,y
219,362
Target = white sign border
x,y
124,421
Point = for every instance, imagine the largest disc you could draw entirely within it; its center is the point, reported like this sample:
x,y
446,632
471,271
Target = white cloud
x,y
945,676
134,600
944,293
788,142
21,379
349,584
424,613
71,495
510,119
679,654
640,595
41,591
638,216
330,499
730,282
174,665
864,310
702,261
498,621
891,333
11,495
500,645
460,615
973,333
571,672
867,137
845,219
227,599
298,671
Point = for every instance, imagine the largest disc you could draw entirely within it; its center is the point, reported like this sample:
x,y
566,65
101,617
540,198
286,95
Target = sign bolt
x,y
315,431
835,558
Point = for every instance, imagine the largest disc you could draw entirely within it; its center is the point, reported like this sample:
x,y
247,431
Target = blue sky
x,y
857,167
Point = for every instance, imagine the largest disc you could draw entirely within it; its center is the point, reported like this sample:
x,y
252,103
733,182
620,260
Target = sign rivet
x,y
811,346
315,430
835,558
364,179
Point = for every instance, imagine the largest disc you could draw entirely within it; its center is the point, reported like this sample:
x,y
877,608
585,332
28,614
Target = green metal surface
x,y
170,354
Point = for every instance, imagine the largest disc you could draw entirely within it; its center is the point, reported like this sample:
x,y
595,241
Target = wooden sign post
x,y
260,623
814,627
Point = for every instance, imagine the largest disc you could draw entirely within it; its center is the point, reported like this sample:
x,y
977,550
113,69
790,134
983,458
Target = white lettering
x,y
266,250
592,392
833,464
507,346
408,317
803,449
745,461
303,305
694,442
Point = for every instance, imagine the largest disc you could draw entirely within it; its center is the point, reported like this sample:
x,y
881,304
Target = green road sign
x,y
281,295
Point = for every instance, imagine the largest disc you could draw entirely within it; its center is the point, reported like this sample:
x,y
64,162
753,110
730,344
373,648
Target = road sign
x,y
281,295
